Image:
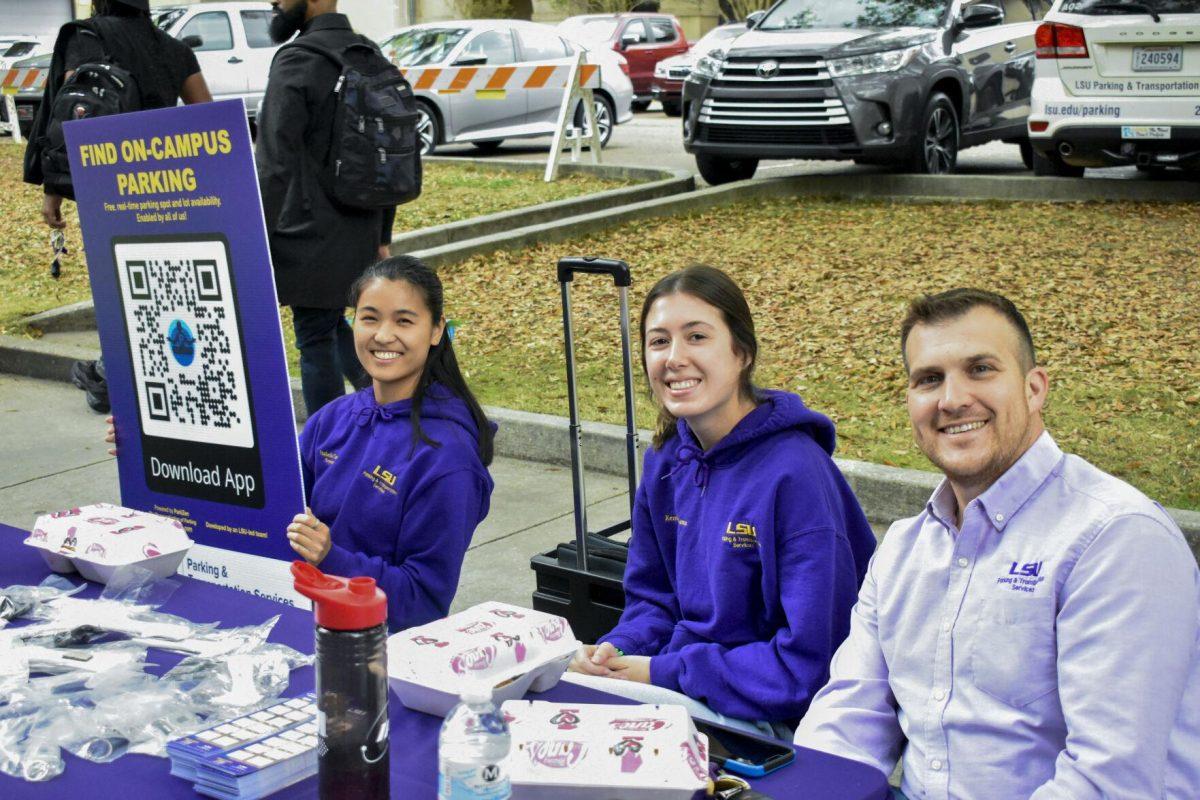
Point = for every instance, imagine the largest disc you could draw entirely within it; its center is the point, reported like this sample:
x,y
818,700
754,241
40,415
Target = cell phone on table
x,y
744,753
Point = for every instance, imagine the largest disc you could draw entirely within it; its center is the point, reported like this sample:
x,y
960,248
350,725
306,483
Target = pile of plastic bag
x,y
72,673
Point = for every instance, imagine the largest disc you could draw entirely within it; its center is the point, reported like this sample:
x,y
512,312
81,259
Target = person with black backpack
x,y
336,152
115,62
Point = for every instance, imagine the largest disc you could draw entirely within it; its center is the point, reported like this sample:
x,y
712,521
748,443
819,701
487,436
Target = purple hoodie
x,y
400,513
744,563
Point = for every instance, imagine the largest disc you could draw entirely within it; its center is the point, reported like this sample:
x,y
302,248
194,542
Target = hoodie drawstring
x,y
368,414
688,454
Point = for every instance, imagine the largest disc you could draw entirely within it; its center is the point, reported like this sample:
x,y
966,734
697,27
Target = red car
x,y
644,40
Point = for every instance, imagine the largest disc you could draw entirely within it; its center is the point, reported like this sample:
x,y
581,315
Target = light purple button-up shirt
x,y
1050,648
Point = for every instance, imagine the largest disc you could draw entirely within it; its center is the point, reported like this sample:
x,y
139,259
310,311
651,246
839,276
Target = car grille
x,y
796,72
831,136
763,112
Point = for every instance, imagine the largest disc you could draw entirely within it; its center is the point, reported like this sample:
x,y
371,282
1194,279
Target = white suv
x,y
1117,82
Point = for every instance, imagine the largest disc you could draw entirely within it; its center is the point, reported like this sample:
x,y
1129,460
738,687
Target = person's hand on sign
x,y
630,668
309,537
110,435
52,211
592,659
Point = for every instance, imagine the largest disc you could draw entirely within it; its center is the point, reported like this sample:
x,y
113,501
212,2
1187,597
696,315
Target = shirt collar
x,y
324,22
1004,498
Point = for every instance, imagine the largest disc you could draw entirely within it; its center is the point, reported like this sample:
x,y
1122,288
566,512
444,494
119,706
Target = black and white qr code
x,y
181,318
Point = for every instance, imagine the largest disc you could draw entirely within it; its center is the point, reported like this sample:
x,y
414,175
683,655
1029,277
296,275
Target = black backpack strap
x,y
311,47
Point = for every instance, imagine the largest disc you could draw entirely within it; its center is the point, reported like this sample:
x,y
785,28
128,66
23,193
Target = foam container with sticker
x,y
595,752
95,540
512,649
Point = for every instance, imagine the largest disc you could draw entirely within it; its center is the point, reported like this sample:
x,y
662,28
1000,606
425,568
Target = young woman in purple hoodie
x,y
396,474
748,546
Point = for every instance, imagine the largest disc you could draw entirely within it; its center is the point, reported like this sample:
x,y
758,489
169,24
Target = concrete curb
x,y
898,188
886,493
36,358
75,317
661,183
677,182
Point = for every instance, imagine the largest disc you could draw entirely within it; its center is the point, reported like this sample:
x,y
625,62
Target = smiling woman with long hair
x,y
396,473
748,546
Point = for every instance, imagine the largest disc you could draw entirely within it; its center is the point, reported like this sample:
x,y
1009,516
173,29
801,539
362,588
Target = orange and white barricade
x,y
577,80
495,82
13,81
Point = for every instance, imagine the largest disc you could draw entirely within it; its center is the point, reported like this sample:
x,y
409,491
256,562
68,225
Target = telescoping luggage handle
x,y
619,271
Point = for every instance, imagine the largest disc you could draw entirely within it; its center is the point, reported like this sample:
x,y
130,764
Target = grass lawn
x,y
1110,291
451,192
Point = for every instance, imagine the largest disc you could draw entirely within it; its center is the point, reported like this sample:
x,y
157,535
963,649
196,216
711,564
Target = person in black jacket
x,y
165,69
318,247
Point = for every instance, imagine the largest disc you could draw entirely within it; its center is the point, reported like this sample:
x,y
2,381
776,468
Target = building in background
x,y
377,17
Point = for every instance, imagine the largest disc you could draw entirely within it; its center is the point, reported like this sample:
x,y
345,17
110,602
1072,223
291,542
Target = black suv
x,y
907,83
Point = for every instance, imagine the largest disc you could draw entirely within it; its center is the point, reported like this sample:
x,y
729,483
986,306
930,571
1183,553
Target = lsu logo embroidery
x,y
383,475
1030,570
383,480
1023,577
740,536
328,456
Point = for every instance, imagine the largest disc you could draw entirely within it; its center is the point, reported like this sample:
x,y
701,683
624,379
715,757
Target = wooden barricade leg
x,y
571,94
14,124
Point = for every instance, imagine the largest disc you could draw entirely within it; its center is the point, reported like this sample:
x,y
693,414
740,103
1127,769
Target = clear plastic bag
x,y
25,601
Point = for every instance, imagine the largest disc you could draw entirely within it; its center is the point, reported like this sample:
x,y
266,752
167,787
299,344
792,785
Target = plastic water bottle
x,y
472,747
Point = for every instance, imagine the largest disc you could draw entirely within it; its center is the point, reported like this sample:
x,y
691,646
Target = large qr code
x,y
184,341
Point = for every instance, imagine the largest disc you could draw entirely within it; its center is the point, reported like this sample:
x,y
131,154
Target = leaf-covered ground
x,y
451,192
1110,290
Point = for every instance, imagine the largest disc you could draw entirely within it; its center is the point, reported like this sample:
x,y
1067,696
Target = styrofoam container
x,y
595,752
95,540
512,649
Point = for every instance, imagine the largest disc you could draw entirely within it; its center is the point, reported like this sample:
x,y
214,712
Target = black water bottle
x,y
352,688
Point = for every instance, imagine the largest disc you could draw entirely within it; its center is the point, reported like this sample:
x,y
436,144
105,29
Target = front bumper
x,y
847,127
666,89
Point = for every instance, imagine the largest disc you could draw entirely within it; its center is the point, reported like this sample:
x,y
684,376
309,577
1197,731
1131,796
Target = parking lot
x,y
652,139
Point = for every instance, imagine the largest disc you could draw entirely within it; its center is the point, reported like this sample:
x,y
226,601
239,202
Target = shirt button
x,y
962,562
999,518
946,625
940,694
935,764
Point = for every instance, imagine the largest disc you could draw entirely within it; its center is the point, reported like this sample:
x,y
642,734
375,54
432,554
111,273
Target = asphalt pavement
x,y
652,139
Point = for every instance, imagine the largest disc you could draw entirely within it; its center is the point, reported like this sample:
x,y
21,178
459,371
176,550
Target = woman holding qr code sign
x,y
395,474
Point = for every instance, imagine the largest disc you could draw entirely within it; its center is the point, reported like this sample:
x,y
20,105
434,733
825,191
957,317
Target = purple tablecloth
x,y
813,775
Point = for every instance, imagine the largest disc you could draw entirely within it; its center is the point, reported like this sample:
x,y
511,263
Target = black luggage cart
x,y
582,579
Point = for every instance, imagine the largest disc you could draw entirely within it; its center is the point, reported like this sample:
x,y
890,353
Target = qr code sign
x,y
184,341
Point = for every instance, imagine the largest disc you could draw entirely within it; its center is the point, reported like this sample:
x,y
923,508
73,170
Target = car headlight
x,y
708,66
887,61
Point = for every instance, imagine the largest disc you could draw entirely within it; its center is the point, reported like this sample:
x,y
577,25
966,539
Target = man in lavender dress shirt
x,y
1035,631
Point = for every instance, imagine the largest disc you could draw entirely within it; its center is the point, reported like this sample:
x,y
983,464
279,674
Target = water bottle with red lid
x,y
352,689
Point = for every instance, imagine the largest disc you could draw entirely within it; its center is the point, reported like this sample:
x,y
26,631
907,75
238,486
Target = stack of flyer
x,y
251,756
